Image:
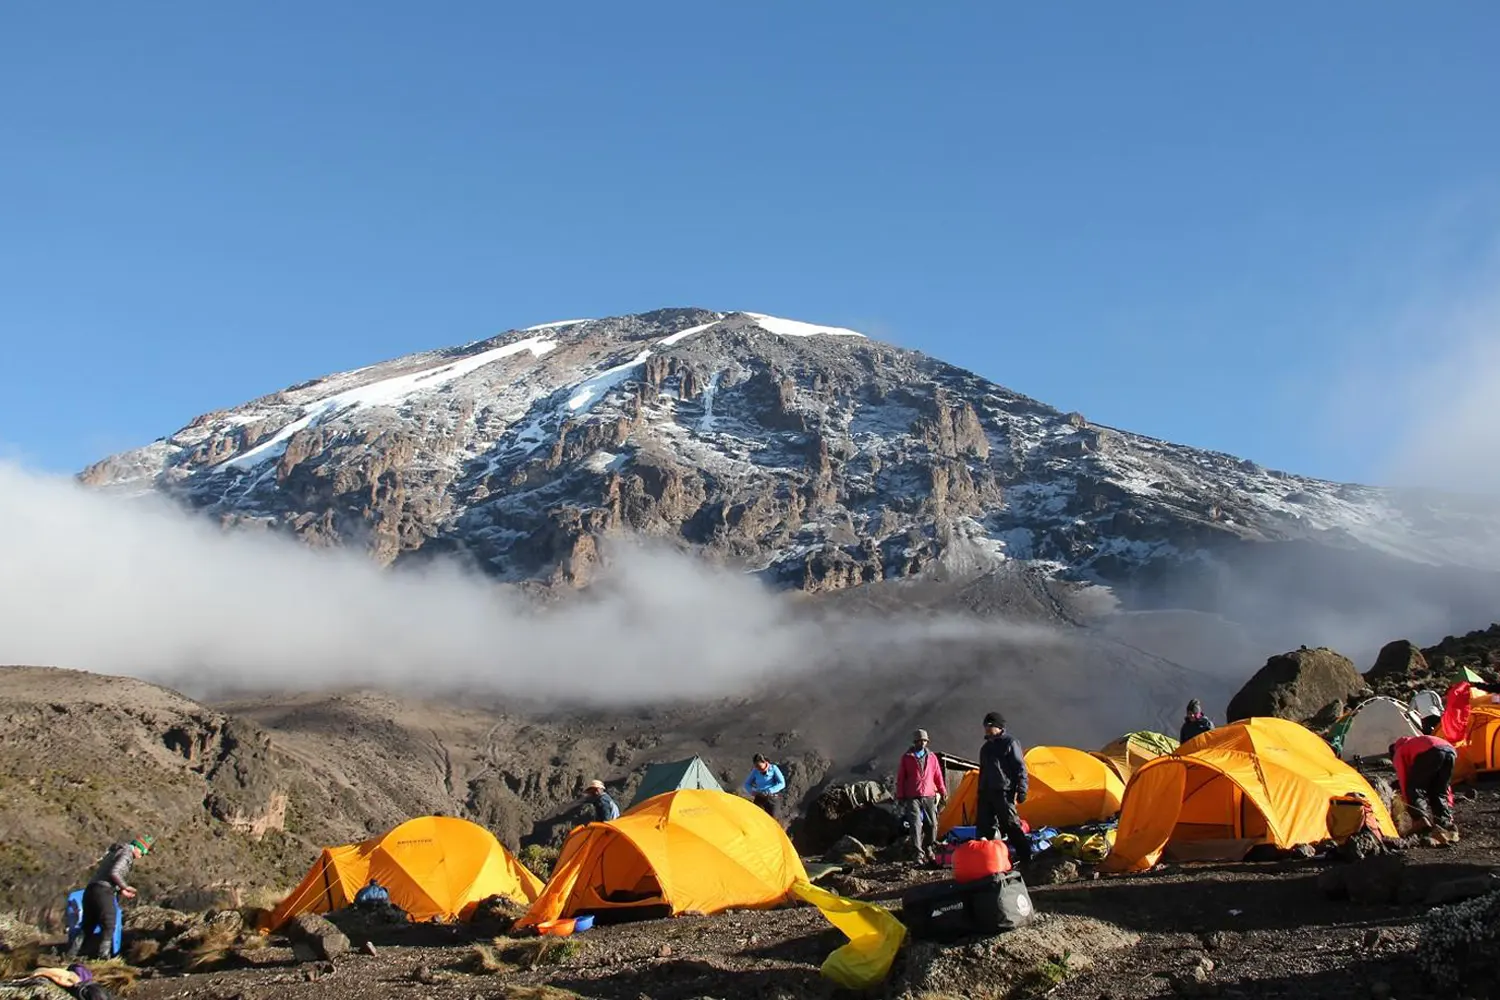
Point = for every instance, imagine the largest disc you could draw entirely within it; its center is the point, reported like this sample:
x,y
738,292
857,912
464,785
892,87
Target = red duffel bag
x,y
979,859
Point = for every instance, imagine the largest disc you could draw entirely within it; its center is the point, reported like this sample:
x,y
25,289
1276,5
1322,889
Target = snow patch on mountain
x,y
797,328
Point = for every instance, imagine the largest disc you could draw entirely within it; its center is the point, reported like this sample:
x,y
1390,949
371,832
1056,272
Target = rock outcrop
x,y
1299,685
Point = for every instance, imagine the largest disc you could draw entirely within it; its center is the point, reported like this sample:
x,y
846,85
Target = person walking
x,y
1424,770
602,803
1002,786
765,784
920,786
111,877
1194,723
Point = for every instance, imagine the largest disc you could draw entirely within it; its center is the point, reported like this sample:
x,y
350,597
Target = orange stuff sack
x,y
979,859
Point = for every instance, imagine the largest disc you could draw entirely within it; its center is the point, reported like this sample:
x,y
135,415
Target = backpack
x,y
1349,814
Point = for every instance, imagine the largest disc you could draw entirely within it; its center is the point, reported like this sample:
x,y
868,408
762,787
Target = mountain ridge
x,y
812,455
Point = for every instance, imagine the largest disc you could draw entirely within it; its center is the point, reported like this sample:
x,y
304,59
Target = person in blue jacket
x,y
765,785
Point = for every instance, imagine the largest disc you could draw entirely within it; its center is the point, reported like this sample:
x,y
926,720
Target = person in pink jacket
x,y
919,788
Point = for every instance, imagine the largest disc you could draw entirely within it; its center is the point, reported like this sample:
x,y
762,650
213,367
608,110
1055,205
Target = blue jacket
x,y
769,782
604,808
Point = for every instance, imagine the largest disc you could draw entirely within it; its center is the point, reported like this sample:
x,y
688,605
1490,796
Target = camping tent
x,y
697,850
1066,787
679,774
434,867
1132,750
1480,750
1371,728
1257,781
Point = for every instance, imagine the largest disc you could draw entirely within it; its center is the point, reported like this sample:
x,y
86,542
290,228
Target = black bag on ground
x,y
947,911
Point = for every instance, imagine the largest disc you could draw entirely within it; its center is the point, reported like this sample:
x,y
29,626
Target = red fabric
x,y
1455,724
977,859
1408,749
918,780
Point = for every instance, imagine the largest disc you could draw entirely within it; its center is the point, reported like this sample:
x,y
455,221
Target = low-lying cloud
x,y
140,587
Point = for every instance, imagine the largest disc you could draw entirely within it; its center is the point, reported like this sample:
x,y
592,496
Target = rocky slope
x,y
814,456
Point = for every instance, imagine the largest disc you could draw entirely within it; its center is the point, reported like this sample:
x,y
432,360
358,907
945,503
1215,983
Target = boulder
x,y
318,937
1374,880
1298,685
1397,660
1053,868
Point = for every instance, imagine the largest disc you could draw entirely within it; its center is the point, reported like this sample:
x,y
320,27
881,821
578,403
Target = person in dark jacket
x,y
111,877
603,805
1002,786
1194,723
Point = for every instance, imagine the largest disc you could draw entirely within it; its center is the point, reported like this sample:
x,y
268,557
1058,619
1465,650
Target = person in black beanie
x,y
1002,786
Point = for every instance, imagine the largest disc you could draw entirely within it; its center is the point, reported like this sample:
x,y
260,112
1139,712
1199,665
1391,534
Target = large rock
x,y
316,935
1298,685
1397,660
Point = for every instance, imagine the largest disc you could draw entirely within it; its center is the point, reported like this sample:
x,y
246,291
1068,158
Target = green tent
x,y
690,773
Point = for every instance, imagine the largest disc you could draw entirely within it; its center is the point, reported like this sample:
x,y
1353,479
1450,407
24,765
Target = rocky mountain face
x,y
813,456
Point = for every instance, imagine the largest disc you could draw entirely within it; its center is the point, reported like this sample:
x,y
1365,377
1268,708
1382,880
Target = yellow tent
x,y
434,867
1065,787
1132,750
1259,781
1480,750
691,850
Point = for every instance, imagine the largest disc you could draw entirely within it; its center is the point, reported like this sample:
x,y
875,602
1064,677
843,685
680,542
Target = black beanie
x,y
995,719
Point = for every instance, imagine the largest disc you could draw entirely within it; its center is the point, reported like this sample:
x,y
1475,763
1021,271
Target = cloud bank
x,y
139,587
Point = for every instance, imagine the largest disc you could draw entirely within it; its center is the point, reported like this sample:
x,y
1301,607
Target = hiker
x,y
1002,787
1195,723
99,895
765,784
919,788
603,805
372,895
1424,770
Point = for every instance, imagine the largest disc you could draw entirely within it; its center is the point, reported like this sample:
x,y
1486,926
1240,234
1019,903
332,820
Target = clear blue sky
x,y
1176,218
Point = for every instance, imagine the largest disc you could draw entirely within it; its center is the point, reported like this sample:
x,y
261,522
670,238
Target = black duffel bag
x,y
947,911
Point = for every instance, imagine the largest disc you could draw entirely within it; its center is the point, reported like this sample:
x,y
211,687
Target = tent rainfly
x,y
1133,749
694,850
1371,728
1257,781
679,774
434,867
1067,787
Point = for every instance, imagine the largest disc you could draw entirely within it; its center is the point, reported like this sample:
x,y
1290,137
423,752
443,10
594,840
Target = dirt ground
x,y
1228,930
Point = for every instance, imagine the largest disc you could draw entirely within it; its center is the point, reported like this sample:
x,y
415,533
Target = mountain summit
x,y
810,454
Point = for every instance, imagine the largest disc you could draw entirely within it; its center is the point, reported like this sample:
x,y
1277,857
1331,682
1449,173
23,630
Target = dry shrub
x,y
539,860
115,975
263,897
216,944
538,993
485,960
142,950
529,953
20,959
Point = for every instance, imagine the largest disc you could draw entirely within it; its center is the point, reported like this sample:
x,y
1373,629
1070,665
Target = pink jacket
x,y
918,780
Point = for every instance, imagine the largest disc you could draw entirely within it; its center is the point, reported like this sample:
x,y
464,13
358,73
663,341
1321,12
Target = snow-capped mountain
x,y
811,454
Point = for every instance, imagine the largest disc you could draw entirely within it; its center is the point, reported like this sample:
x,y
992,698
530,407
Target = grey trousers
x,y
918,812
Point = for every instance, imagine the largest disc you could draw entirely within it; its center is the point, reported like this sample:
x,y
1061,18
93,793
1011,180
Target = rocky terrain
x,y
812,456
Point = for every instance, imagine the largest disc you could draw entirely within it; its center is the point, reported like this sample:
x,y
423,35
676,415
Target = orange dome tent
x,y
690,850
434,867
1479,752
1258,781
1066,787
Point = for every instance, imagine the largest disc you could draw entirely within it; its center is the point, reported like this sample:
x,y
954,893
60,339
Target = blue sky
x,y
1187,220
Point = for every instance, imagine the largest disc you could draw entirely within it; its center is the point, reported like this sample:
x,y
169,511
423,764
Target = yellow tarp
x,y
691,850
1264,781
1066,787
1132,750
874,934
434,867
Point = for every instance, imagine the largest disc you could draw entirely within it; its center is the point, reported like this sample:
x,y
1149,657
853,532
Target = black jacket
x,y
1194,725
1002,767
